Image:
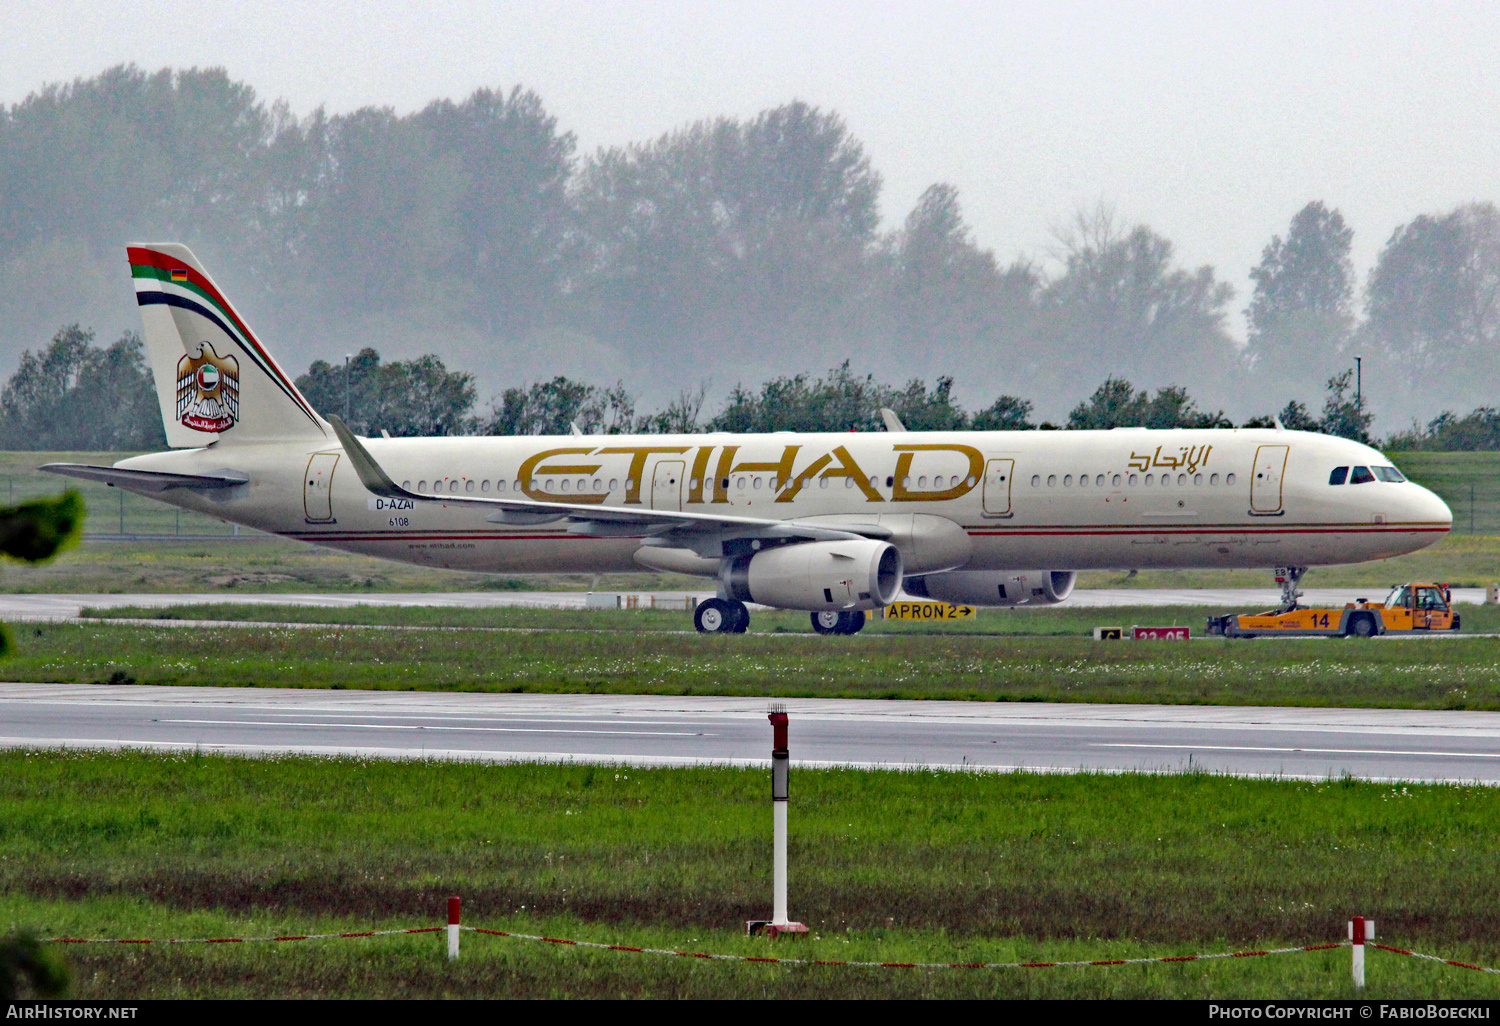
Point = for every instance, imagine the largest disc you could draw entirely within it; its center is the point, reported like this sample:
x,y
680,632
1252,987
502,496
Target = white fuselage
x,y
1077,500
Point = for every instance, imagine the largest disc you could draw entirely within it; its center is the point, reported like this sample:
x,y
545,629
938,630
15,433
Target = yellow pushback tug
x,y
1408,609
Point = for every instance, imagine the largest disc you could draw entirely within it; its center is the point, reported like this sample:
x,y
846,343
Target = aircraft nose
x,y
1427,508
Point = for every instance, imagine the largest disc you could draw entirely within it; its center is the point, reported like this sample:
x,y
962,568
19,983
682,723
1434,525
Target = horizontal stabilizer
x,y
149,480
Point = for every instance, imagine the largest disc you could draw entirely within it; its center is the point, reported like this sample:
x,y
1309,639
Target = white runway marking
x,y
419,726
1310,751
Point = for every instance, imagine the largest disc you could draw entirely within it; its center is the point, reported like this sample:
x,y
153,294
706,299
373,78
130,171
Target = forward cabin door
x,y
997,478
1265,482
317,488
666,485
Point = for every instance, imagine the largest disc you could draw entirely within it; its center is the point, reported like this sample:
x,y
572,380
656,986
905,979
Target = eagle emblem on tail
x,y
208,390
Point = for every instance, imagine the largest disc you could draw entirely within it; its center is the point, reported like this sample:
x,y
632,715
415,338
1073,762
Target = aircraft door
x,y
317,488
666,485
997,478
1265,481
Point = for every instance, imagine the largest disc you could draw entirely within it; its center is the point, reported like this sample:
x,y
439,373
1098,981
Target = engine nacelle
x,y
994,587
855,574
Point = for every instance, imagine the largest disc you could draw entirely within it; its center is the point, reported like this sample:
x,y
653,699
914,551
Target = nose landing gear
x,y
1289,577
721,616
850,621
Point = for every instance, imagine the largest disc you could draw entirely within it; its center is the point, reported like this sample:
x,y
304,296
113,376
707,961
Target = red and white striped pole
x,y
1360,930
452,928
780,772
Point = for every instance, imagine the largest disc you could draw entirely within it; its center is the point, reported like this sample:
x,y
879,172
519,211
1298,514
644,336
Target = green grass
x,y
1046,621
1459,673
887,866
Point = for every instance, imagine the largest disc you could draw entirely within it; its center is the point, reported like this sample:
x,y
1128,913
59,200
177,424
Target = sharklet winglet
x,y
371,475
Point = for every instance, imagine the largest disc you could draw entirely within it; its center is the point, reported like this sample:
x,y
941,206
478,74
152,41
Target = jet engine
x,y
835,575
994,587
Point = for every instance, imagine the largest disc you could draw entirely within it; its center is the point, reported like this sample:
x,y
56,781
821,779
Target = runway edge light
x,y
780,923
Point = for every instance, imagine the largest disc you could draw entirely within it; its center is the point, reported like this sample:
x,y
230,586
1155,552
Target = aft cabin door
x,y
666,485
997,475
317,488
1265,482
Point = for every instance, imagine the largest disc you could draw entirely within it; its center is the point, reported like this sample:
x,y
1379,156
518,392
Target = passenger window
x,y
1036,480
1339,475
1361,475
1213,479
468,486
1051,480
1067,480
1229,479
1115,480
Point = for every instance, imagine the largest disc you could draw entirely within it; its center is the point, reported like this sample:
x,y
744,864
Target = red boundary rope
x,y
763,959
900,965
1433,958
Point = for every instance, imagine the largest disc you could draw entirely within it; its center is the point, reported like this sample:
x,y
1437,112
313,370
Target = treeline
x,y
73,394
728,250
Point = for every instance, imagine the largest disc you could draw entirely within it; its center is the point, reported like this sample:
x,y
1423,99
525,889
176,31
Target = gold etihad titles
x,y
787,481
1190,458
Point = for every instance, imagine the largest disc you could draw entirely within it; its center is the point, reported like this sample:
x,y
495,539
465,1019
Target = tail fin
x,y
213,377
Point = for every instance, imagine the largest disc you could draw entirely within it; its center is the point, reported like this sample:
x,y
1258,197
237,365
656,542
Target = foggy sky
x,y
1211,122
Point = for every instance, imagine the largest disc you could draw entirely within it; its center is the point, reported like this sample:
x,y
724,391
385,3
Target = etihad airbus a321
x,y
835,524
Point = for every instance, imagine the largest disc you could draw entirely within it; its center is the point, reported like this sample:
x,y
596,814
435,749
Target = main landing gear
x,y
718,616
850,621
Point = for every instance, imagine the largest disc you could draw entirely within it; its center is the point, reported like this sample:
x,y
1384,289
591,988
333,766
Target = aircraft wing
x,y
688,529
148,480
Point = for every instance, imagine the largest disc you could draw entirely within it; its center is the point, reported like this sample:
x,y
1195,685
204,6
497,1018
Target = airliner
x,y
835,524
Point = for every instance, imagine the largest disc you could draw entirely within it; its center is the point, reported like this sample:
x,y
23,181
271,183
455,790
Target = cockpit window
x,y
1339,475
1361,475
1390,474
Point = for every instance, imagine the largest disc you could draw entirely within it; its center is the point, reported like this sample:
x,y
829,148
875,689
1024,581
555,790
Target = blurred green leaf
x,y
25,959
38,530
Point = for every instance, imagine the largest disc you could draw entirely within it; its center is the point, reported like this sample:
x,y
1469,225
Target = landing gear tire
x,y
1362,627
741,614
715,616
846,622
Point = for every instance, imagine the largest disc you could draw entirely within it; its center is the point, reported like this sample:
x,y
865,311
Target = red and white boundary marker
x,y
1361,935
899,965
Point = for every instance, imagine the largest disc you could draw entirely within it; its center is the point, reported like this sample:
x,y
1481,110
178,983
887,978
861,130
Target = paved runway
x,y
64,606
1378,744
